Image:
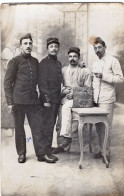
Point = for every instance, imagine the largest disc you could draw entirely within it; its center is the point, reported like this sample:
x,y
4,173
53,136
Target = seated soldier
x,y
74,75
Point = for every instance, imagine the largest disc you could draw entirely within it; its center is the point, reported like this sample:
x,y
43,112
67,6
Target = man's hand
x,y
98,75
66,91
82,64
10,107
70,95
47,104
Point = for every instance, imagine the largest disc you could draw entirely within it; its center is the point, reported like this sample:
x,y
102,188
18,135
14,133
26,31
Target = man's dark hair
x,y
100,41
27,36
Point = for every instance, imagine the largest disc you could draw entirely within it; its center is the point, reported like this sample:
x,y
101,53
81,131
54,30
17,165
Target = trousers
x,y
49,120
34,115
66,119
66,122
100,128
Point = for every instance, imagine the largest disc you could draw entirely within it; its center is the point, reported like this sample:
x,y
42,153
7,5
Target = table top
x,y
90,111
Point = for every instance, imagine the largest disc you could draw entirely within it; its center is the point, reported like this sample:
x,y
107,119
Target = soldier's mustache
x,y
98,53
72,61
54,51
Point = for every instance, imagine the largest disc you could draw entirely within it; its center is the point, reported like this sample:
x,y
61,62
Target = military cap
x,y
96,40
26,36
100,41
52,40
74,49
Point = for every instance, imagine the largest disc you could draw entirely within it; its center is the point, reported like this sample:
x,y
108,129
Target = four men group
x,y
55,85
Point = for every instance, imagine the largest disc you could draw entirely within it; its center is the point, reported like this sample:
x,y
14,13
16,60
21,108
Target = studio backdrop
x,y
72,23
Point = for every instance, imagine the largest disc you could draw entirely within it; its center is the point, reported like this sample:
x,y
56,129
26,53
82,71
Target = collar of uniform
x,y
73,67
52,57
103,58
26,55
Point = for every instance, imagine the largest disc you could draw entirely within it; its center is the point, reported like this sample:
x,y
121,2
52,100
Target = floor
x,y
64,178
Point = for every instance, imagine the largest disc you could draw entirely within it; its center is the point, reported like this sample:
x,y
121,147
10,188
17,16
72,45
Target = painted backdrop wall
x,y
72,23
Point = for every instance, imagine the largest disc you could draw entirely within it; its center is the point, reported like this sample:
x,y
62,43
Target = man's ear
x,y
58,47
20,46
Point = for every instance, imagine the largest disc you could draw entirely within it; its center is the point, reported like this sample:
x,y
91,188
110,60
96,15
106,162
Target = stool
x,y
91,115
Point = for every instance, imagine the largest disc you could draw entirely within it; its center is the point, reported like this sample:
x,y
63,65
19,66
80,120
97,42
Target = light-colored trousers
x,y
100,128
67,124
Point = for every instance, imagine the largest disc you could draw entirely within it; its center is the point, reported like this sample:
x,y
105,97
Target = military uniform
x,y
20,91
50,78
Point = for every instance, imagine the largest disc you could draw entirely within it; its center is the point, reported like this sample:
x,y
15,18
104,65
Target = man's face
x,y
73,58
53,49
26,46
99,50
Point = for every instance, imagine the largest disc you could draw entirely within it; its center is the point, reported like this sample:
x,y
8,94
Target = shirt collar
x,y
52,57
26,55
73,67
103,58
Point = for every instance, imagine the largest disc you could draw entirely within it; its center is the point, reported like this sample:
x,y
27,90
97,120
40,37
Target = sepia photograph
x,y
62,99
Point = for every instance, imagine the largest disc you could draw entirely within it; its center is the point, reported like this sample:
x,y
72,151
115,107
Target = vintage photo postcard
x,y
62,99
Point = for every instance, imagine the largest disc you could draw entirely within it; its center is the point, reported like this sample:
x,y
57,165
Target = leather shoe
x,y
51,156
98,155
21,158
66,141
57,150
46,159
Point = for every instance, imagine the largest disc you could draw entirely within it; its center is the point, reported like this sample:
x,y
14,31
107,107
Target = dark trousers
x,y
34,115
50,115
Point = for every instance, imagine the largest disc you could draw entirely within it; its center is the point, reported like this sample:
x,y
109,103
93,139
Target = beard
x,y
73,62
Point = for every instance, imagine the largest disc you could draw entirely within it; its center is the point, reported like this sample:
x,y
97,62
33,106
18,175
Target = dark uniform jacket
x,y
49,79
21,80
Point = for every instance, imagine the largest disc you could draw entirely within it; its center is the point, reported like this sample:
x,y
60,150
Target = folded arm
x,y
116,76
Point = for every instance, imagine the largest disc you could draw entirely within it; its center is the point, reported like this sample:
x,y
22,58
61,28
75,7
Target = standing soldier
x,y
106,73
21,95
50,78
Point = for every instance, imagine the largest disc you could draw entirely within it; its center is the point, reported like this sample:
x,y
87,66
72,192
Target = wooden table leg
x,y
80,133
90,137
105,144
